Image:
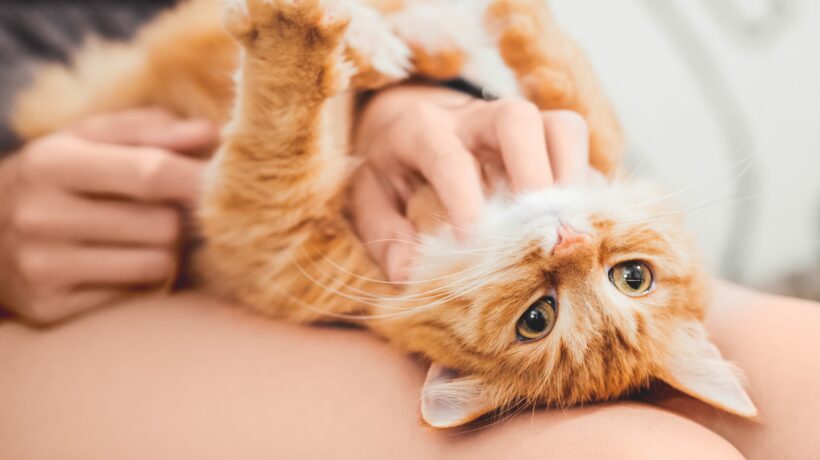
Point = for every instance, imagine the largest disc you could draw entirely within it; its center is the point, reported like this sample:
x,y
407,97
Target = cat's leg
x,y
554,73
275,236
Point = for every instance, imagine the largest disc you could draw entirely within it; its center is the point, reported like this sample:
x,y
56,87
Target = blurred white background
x,y
721,97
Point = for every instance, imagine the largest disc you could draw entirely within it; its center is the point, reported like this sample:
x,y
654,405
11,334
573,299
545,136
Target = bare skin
x,y
188,377
91,213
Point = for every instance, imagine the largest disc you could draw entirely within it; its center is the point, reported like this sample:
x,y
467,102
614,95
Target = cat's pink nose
x,y
568,237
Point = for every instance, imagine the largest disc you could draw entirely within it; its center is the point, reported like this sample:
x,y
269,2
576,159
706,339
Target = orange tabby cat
x,y
558,297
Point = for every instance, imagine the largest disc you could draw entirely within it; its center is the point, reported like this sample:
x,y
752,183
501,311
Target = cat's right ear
x,y
694,366
449,400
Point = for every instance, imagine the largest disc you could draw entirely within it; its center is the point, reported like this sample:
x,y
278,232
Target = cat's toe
x,y
309,22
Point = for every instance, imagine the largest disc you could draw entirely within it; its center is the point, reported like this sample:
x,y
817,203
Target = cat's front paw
x,y
297,44
295,25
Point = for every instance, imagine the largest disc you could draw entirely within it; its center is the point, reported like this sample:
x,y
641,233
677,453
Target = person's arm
x,y
90,214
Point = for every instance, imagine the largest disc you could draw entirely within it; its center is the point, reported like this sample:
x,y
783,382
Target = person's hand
x,y
91,213
446,137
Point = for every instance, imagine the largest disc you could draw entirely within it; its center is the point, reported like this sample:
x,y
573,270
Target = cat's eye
x,y
633,278
537,321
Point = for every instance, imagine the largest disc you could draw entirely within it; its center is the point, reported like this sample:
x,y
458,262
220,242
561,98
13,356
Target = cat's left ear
x,y
449,400
694,366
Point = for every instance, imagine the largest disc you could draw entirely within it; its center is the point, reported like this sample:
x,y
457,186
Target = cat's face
x,y
563,297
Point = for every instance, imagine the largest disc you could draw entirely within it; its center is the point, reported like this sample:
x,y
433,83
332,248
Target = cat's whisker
x,y
369,299
492,250
637,170
502,416
456,293
696,207
708,180
458,287
399,283
471,231
472,272
423,295
476,284
719,201
330,314
445,250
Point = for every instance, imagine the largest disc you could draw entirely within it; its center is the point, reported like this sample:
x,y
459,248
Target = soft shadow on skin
x,y
661,395
127,296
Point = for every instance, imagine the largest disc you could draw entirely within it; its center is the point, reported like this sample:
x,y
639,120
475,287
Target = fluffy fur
x,y
276,235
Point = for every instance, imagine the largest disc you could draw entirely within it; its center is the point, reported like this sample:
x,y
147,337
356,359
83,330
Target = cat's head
x,y
563,297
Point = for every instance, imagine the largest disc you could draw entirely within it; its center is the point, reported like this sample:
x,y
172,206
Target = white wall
x,y
703,84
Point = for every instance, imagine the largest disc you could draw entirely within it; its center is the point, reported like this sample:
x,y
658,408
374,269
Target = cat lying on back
x,y
558,297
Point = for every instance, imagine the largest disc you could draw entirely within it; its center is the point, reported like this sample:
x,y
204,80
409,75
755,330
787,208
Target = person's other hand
x,y
91,213
445,137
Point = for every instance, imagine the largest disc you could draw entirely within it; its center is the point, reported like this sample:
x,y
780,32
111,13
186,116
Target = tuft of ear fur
x,y
449,400
695,366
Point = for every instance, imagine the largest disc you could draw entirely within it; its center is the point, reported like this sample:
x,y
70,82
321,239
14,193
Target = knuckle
x,y
447,158
33,265
515,110
39,156
41,311
157,264
151,165
568,121
447,151
167,225
27,220
449,162
425,113
36,159
93,124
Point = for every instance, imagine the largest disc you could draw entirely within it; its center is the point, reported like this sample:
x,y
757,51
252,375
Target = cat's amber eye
x,y
537,321
633,278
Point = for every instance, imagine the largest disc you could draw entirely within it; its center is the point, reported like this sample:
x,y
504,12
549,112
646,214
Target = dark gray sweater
x,y
36,31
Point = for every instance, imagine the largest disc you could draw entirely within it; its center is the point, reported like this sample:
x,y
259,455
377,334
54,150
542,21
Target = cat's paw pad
x,y
304,23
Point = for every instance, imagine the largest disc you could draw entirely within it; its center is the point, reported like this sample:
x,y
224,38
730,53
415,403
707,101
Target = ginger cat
x,y
559,297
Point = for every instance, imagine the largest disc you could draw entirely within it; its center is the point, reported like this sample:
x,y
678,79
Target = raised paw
x,y
293,44
294,25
